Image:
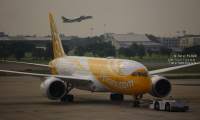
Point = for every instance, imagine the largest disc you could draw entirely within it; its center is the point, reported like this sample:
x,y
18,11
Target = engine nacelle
x,y
53,88
161,86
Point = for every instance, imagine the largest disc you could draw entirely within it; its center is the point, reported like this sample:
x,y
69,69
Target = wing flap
x,y
169,69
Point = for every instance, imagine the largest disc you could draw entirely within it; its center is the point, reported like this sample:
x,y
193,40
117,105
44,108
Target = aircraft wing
x,y
31,64
169,69
72,79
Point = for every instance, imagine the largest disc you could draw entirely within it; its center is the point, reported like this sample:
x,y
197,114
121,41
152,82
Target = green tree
x,y
110,52
196,49
168,52
81,48
162,51
78,52
28,47
165,51
156,52
5,55
1,54
98,48
3,50
191,50
128,52
38,53
141,51
19,53
89,48
150,52
49,51
66,48
121,51
134,46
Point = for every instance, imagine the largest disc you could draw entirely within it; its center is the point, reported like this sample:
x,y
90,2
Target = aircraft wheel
x,y
120,96
113,97
70,98
64,98
156,106
167,107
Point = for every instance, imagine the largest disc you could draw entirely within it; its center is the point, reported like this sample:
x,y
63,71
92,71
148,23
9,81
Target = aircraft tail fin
x,y
56,42
64,19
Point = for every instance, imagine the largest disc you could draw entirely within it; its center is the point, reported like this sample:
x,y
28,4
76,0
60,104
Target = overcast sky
x,y
157,17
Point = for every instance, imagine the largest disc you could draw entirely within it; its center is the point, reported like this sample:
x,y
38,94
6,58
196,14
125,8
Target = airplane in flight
x,y
117,76
65,20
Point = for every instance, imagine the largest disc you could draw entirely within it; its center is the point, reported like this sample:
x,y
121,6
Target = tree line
x,y
18,50
97,49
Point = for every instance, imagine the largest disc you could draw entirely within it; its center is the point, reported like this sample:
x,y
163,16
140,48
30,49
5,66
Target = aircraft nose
x,y
140,75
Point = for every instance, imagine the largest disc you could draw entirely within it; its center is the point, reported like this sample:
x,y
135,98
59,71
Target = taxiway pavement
x,y
20,98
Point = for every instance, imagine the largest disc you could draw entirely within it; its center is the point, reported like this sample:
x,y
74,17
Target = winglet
x,y
56,42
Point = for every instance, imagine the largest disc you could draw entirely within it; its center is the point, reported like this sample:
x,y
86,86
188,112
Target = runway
x,y
20,98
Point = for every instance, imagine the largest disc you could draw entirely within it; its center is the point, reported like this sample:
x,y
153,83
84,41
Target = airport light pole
x,y
178,32
91,31
104,28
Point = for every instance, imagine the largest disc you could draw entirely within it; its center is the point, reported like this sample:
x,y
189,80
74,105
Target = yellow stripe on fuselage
x,y
122,84
105,72
53,64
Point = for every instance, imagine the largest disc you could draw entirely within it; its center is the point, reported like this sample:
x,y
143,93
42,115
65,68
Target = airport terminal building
x,y
170,42
126,40
39,42
189,41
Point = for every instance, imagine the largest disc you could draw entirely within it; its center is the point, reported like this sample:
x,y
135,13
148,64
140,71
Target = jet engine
x,y
161,86
53,88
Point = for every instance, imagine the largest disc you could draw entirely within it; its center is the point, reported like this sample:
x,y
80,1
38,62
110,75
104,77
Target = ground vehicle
x,y
169,105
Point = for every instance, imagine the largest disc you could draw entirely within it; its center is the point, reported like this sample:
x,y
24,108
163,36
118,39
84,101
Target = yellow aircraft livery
x,y
116,76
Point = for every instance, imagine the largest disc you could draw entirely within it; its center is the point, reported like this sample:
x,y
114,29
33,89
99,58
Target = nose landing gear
x,y
136,102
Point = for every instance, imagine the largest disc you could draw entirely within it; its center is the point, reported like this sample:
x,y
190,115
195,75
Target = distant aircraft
x,y
65,20
117,76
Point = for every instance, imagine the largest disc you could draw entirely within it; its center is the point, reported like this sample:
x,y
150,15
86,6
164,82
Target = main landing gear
x,y
136,102
116,96
67,96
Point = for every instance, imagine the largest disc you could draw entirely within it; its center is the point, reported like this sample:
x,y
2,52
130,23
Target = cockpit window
x,y
140,74
134,74
146,74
